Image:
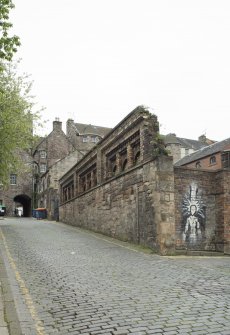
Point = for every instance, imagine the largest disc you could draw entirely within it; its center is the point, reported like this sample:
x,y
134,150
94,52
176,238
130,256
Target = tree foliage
x,y
8,44
16,119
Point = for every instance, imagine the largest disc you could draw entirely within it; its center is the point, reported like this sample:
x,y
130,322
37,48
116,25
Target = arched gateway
x,y
23,201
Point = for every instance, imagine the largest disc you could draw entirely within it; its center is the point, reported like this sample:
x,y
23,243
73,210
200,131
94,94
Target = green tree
x,y
8,44
16,119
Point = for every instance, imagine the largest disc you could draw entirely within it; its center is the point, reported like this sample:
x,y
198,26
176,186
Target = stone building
x,y
126,187
84,136
17,196
27,190
47,152
48,193
57,153
180,147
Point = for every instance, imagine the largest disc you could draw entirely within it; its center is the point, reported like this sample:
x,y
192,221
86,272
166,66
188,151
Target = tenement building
x,y
128,188
84,136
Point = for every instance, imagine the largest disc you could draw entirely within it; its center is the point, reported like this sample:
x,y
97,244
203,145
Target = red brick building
x,y
211,157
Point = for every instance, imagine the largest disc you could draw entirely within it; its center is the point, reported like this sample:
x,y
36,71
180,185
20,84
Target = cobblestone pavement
x,y
68,281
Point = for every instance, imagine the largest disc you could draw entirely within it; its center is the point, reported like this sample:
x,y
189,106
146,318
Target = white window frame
x,y
85,139
13,179
42,168
42,154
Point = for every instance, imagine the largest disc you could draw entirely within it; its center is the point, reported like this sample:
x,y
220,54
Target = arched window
x,y
137,157
114,169
124,165
213,160
198,165
42,154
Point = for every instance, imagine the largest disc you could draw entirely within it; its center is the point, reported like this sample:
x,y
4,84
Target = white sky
x,y
96,60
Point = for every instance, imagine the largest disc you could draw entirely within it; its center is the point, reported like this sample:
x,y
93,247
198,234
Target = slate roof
x,y
203,152
184,142
91,129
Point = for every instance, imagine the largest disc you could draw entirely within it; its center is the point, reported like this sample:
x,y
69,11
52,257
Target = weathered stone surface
x,y
213,207
131,202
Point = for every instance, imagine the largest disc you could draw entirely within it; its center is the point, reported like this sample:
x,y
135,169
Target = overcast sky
x,y
96,60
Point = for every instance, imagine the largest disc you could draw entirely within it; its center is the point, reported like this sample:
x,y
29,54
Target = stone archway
x,y
25,202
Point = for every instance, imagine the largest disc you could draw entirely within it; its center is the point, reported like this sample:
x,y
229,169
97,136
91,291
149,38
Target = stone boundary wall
x,y
136,206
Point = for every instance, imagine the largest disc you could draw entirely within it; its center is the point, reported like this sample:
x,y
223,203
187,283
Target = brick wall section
x,y
205,162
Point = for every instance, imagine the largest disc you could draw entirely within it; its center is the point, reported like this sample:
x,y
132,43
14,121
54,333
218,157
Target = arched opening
x,y
124,165
137,158
114,170
22,205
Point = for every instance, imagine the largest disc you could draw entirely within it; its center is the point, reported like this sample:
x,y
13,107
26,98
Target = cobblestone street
x,y
69,281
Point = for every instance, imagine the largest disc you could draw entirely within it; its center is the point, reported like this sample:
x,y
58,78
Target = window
x,y
198,165
137,158
42,154
186,151
13,179
225,157
42,168
124,165
0,202
213,160
85,139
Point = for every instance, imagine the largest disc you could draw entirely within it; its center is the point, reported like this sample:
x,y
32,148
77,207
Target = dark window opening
x,y
124,165
213,160
137,157
13,179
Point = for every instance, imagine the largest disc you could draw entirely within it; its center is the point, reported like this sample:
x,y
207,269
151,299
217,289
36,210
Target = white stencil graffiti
x,y
193,227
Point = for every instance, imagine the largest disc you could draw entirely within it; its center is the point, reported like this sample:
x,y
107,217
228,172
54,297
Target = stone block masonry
x,y
202,204
134,206
127,188
122,189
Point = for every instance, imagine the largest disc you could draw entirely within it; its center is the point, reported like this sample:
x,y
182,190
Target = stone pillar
x,y
130,157
74,185
77,184
118,162
100,167
165,210
92,179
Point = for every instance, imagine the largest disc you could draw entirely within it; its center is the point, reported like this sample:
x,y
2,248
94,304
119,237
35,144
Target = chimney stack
x,y
57,124
202,139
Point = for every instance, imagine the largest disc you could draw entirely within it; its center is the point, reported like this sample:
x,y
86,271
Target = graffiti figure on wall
x,y
193,228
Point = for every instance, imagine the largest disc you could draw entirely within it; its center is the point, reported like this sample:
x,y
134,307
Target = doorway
x,y
23,204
